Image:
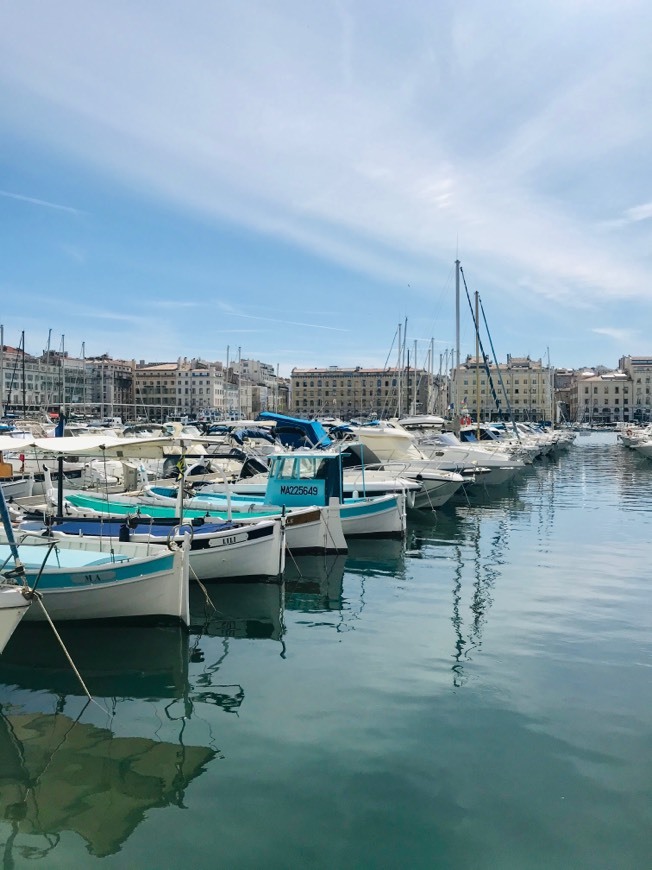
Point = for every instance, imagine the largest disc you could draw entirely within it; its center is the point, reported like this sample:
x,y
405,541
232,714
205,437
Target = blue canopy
x,y
298,432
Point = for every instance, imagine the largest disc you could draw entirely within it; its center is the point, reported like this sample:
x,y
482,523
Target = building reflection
x,y
60,775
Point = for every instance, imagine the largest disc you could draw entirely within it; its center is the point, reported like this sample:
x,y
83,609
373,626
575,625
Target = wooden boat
x,y
13,607
77,580
307,530
217,551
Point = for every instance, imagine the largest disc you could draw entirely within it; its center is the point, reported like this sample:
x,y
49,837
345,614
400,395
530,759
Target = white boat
x,y
307,530
217,551
13,607
391,442
301,478
423,484
78,580
18,487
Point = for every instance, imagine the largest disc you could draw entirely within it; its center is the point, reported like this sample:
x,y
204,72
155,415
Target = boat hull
x,y
307,530
83,581
13,607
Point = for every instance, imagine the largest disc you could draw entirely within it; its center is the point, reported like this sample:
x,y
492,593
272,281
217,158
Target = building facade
x,y
486,391
599,399
358,392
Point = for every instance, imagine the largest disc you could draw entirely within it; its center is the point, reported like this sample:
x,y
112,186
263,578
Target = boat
x,y
217,551
304,478
13,607
77,579
15,596
307,530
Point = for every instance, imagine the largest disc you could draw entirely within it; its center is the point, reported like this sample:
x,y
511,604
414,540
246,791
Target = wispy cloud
x,y
624,337
42,202
383,146
292,322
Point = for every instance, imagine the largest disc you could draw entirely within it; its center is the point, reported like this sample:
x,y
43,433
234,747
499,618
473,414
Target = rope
x,y
39,598
201,586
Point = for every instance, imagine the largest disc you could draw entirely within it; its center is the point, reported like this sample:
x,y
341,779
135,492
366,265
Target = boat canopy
x,y
298,432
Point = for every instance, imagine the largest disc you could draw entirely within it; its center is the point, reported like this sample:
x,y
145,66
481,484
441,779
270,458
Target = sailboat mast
x,y
456,396
22,344
398,374
477,364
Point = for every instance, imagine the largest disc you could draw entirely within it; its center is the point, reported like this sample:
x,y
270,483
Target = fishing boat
x,y
13,607
15,597
302,478
79,579
307,530
217,551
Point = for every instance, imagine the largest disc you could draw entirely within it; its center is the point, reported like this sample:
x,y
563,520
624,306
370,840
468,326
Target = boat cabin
x,y
302,478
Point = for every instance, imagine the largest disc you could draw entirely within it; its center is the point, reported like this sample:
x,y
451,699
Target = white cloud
x,y
624,337
377,141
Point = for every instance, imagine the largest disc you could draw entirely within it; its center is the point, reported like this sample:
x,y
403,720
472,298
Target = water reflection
x,y
95,769
470,544
238,610
58,774
313,584
114,661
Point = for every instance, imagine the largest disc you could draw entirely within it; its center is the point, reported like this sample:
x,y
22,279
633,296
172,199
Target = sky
x,y
290,181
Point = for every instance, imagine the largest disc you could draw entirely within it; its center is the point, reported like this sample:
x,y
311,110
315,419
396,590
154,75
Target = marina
x,y
476,694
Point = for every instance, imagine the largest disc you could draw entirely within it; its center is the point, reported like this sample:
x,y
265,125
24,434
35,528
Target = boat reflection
x,y
59,775
376,558
114,661
239,610
313,584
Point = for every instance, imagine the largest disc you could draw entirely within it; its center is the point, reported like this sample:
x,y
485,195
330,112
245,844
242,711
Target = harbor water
x,y
478,696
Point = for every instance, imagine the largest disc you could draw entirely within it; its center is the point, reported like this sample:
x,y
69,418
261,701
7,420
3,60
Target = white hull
x,y
95,589
13,607
315,530
231,554
385,517
161,594
240,557
22,487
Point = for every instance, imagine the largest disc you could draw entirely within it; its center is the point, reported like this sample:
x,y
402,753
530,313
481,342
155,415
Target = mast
x,y
414,392
63,371
456,394
226,384
83,352
408,381
2,365
398,374
22,344
239,383
477,364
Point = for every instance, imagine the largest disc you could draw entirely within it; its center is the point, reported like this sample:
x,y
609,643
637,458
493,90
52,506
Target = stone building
x,y
358,392
521,383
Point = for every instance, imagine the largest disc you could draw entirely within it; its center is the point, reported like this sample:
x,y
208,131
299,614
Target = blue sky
x,y
295,179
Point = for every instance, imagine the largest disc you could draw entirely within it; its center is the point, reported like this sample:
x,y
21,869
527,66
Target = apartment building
x,y
639,371
358,392
521,383
602,398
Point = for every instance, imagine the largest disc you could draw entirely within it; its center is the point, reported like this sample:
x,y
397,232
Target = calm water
x,y
480,697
